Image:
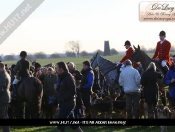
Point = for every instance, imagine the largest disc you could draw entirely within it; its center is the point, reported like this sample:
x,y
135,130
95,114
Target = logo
x,y
157,11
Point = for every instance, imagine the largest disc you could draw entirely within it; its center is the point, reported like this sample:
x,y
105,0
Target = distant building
x,y
106,49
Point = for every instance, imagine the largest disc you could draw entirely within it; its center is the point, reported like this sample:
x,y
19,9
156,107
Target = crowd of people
x,y
72,89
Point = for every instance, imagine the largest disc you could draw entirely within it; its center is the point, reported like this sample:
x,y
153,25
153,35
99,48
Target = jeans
x,y
66,112
86,97
132,97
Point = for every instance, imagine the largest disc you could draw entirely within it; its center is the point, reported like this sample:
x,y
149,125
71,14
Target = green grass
x,y
92,129
78,63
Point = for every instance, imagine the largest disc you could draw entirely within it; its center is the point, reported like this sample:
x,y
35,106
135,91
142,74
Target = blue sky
x,y
55,22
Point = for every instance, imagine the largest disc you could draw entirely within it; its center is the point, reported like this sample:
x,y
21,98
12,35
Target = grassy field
x,y
78,62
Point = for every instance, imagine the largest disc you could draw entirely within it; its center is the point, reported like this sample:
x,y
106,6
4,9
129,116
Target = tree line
x,y
73,49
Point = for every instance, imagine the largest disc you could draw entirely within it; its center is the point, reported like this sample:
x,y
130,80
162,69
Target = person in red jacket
x,y
128,55
162,52
129,52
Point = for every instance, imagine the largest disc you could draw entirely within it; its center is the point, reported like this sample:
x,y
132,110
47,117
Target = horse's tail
x,y
38,94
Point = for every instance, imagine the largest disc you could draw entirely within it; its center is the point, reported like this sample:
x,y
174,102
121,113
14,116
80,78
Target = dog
x,y
119,107
105,107
114,96
163,112
94,98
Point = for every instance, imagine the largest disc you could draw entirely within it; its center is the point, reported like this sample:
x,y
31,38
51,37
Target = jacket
x,y
77,75
128,55
66,90
171,74
23,68
5,82
129,79
149,81
49,82
87,80
163,51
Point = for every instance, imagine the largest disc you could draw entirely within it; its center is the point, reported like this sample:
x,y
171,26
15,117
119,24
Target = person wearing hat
x,y
162,53
23,68
129,52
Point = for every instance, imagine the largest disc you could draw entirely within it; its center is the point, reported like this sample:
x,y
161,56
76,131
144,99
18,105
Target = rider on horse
x,y
22,67
128,55
162,53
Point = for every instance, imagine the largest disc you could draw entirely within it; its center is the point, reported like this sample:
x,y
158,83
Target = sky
x,y
56,22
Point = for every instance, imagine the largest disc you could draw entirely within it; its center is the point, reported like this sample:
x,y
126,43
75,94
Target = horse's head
x,y
136,55
93,61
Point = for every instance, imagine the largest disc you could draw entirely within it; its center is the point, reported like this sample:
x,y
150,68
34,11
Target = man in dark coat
x,y
149,81
77,76
66,95
49,90
86,84
4,95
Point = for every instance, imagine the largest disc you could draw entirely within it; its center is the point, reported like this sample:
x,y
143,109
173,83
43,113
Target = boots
x,y
14,92
129,115
78,130
136,113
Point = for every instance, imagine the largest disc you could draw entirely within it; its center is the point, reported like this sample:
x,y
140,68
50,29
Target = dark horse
x,y
30,90
141,56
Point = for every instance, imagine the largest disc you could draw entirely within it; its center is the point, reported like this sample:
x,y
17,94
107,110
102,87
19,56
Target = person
x,y
66,96
37,69
6,67
87,84
74,72
149,82
77,76
4,95
170,80
130,81
22,67
162,53
129,51
49,90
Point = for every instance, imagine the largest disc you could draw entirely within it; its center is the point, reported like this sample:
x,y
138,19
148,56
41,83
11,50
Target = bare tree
x,y
74,46
84,53
40,55
114,51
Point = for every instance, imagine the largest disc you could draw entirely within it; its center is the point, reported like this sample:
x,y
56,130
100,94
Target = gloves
x,y
117,63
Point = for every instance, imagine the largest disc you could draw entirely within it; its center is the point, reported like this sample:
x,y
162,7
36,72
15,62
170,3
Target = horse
x,y
109,71
145,60
30,90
